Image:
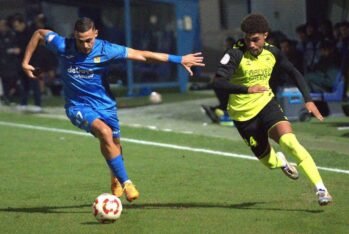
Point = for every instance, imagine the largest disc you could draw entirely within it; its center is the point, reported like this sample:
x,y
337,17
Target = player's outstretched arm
x,y
191,60
38,37
187,61
302,86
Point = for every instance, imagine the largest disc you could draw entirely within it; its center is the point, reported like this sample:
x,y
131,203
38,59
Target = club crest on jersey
x,y
97,59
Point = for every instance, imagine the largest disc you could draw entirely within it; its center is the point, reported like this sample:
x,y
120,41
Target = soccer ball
x,y
155,98
107,208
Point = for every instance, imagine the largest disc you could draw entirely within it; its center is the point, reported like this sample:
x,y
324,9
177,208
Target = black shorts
x,y
255,131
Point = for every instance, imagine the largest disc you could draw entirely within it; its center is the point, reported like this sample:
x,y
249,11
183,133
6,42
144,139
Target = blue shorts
x,y
83,117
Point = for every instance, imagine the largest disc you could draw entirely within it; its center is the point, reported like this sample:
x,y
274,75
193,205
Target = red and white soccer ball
x,y
155,98
107,208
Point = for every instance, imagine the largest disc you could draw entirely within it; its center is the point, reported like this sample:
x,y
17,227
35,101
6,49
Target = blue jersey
x,y
84,75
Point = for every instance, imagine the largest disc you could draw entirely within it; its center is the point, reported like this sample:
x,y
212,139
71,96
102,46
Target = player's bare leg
x,y
111,150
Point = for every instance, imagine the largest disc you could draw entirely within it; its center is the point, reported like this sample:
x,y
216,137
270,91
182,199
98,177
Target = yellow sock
x,y
289,144
271,160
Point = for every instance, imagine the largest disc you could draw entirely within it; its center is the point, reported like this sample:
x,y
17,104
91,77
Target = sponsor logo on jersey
x,y
258,74
77,72
69,56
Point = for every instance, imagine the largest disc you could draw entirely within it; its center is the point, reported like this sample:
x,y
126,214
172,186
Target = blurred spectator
x,y
326,31
336,32
312,50
280,78
275,37
308,44
218,112
343,46
324,73
302,37
343,40
23,35
9,61
38,22
288,47
44,59
229,42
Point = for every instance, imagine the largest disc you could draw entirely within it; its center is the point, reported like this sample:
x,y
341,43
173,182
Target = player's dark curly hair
x,y
255,23
84,24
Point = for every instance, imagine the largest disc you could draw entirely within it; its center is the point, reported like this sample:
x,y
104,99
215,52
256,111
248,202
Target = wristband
x,y
174,58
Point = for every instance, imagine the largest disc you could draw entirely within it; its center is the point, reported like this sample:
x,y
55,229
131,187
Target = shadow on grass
x,y
241,206
338,124
47,209
341,125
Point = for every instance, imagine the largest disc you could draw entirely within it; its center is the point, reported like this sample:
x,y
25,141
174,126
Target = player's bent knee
x,y
103,132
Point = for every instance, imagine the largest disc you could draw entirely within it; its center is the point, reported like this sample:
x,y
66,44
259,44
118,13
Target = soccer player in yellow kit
x,y
244,72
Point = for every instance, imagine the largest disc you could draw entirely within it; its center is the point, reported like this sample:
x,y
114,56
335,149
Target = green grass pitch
x,y
49,180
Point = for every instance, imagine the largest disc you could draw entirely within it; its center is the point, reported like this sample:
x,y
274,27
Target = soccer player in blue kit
x,y
89,103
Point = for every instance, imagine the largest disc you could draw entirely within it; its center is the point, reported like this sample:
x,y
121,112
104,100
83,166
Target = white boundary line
x,y
151,143
343,128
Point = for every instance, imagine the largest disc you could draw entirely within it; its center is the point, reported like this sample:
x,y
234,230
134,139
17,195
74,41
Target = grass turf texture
x,y
49,181
134,101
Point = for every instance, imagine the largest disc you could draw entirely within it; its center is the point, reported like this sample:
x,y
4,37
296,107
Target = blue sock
x,y
118,168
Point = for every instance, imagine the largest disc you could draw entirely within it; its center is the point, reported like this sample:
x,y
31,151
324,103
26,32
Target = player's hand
x,y
29,70
310,106
190,60
257,89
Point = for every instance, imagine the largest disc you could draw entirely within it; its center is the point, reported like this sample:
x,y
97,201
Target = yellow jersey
x,y
243,70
